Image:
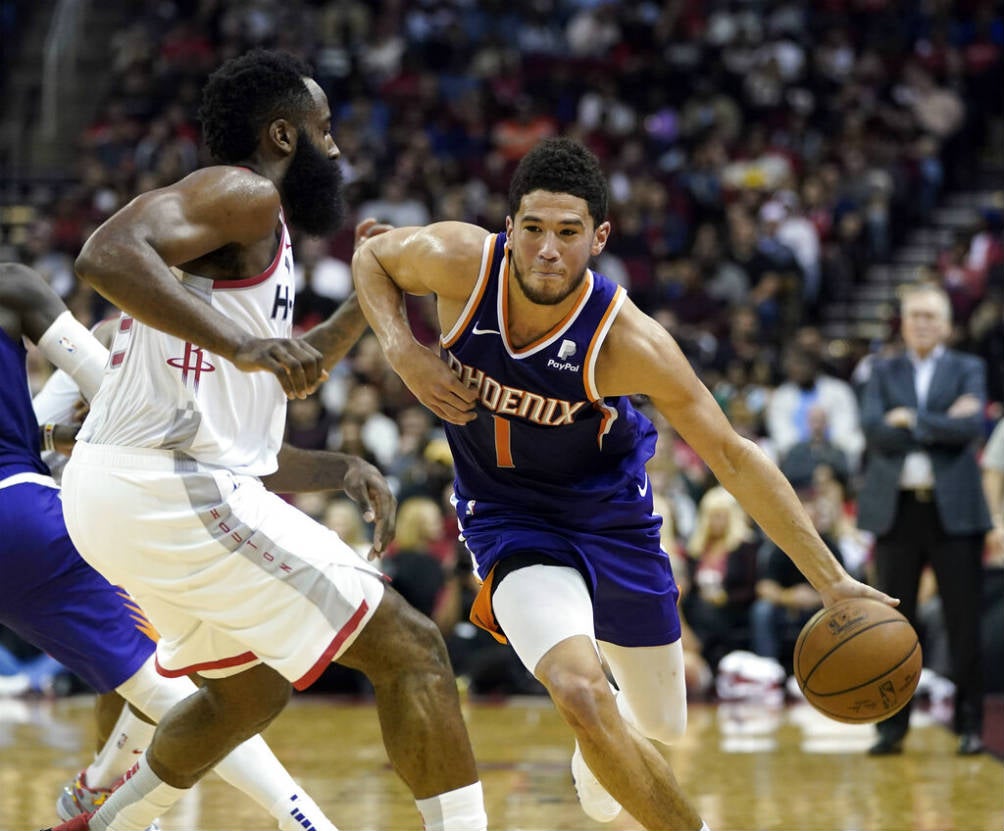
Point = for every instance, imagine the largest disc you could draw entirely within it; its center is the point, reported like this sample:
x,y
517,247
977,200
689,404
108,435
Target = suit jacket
x,y
950,442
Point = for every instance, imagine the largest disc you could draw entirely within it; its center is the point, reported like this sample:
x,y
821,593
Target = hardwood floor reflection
x,y
747,766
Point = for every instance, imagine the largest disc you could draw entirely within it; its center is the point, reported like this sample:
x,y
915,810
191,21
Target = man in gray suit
x,y
922,496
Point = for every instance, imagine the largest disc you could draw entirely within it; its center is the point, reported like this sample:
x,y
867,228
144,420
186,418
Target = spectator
x,y
412,564
803,457
343,516
323,282
922,497
807,387
722,571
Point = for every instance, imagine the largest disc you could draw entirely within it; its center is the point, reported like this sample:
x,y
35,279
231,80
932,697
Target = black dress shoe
x,y
886,746
970,744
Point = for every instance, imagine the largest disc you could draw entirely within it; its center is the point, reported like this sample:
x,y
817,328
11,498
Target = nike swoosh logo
x,y
643,489
478,331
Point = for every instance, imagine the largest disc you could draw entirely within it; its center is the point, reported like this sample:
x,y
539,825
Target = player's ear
x,y
600,238
508,230
282,134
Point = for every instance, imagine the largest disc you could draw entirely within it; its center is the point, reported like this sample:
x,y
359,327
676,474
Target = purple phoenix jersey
x,y
51,597
551,467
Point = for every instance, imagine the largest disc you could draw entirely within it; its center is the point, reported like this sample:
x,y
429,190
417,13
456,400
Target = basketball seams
x,y
893,668
826,655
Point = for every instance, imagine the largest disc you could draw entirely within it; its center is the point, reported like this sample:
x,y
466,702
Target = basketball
x,y
858,661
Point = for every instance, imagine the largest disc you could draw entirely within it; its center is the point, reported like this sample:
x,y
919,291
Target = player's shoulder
x,y
230,195
232,182
454,236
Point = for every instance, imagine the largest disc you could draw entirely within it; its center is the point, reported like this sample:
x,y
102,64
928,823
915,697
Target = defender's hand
x,y
369,227
295,363
365,485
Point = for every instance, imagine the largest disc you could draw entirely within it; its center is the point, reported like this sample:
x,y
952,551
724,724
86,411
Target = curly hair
x,y
561,165
245,94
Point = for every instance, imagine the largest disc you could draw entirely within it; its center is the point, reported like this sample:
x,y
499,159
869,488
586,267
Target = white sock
x,y
252,768
704,826
298,812
137,802
126,743
460,810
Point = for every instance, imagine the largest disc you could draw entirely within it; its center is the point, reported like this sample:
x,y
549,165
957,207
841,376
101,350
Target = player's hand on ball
x,y
847,587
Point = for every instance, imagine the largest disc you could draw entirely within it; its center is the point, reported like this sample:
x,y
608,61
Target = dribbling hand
x,y
296,364
847,587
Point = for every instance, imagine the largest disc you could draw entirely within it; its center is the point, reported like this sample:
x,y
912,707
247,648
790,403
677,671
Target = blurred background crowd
x,y
767,160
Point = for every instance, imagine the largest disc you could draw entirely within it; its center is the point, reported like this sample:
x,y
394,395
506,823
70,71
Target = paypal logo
x,y
563,365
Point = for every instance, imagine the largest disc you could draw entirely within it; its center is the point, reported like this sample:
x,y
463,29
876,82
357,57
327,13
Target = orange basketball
x,y
858,661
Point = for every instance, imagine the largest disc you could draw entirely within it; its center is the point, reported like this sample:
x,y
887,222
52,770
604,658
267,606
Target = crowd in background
x,y
762,154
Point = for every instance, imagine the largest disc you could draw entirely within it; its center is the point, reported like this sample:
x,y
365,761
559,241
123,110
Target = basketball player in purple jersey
x,y
537,357
244,588
53,599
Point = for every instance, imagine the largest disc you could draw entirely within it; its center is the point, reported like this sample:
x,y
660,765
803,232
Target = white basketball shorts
x,y
228,573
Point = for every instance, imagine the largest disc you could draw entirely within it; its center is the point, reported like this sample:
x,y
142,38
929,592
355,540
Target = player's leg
x,y
65,607
652,691
251,767
403,654
546,614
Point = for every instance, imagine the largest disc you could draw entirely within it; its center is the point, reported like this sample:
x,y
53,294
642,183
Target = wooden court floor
x,y
747,766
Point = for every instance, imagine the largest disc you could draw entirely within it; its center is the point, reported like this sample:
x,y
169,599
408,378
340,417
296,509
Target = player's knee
x,y
251,699
401,640
585,702
426,645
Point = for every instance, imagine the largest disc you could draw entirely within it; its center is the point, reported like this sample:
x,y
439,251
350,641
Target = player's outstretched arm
x,y
640,357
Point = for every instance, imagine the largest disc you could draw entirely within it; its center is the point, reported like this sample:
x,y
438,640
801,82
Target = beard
x,y
547,295
311,190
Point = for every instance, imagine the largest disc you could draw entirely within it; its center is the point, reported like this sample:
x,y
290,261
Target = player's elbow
x,y
99,258
732,457
87,262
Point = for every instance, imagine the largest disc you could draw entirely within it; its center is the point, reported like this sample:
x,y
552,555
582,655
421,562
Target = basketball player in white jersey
x,y
166,490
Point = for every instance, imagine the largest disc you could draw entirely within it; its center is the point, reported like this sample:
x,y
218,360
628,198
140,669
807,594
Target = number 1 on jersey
x,y
503,442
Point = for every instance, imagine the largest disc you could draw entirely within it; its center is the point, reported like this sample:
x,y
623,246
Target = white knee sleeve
x,y
541,605
153,694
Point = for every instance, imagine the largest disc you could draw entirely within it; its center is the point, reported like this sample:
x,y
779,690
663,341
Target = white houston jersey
x,y
163,393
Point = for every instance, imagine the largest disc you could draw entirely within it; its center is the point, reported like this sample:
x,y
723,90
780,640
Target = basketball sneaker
x,y
593,797
77,799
